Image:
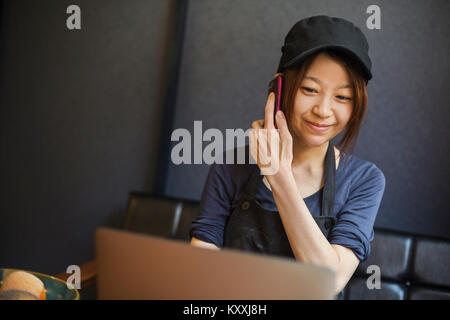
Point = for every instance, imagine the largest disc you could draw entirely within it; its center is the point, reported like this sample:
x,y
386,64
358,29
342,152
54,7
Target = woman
x,y
320,205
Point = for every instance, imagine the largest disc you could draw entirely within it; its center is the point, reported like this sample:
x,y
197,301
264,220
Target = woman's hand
x,y
272,148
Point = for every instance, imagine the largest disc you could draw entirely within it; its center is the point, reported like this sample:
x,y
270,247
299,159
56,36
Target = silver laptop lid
x,y
138,266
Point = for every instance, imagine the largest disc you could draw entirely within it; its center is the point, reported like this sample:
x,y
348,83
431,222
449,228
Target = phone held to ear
x,y
276,86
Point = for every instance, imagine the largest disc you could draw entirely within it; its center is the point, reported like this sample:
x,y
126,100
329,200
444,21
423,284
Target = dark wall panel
x,y
231,52
80,115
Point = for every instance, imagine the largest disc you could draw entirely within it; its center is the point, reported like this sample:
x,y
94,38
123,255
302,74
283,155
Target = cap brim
x,y
297,59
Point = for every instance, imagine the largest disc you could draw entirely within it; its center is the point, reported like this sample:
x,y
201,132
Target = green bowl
x,y
56,289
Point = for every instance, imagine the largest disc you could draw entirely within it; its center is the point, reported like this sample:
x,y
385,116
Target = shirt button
x,y
327,225
245,205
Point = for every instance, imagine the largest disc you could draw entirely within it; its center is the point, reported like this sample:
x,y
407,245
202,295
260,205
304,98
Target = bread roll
x,y
23,281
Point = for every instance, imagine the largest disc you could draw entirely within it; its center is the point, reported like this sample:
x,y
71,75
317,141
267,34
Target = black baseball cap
x,y
315,33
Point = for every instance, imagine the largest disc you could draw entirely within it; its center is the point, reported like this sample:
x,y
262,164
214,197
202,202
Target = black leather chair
x,y
412,267
161,216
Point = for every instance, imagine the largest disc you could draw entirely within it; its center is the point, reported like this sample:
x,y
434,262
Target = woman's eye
x,y
308,89
343,98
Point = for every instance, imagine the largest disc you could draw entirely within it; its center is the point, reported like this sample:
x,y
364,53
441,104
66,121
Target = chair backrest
x,y
162,216
411,266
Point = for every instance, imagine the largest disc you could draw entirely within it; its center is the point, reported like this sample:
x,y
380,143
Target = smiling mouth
x,y
318,127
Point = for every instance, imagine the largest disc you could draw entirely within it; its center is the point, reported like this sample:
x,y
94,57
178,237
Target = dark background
x,y
86,115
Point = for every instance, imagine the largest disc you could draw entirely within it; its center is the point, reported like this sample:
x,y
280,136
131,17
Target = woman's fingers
x,y
263,155
258,124
285,137
255,147
265,151
273,153
265,141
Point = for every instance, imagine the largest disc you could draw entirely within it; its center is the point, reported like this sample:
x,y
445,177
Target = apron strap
x,y
254,181
329,189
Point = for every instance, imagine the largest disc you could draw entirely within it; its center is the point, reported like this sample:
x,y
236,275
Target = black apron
x,y
250,227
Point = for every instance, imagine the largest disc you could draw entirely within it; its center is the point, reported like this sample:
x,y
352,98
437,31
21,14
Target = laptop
x,y
139,266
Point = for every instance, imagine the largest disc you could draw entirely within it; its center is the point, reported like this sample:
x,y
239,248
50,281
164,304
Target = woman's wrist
x,y
282,178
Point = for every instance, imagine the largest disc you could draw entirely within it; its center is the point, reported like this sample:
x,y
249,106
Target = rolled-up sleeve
x,y
354,223
215,206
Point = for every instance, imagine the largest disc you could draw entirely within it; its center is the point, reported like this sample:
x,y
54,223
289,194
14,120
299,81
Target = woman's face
x,y
325,97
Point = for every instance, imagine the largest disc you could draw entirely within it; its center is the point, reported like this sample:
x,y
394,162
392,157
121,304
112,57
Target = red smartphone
x,y
276,86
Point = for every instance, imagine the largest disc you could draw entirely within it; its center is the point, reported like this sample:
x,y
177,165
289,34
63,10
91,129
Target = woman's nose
x,y
323,108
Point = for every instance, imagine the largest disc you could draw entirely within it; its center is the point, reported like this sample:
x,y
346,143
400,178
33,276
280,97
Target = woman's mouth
x,y
316,127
